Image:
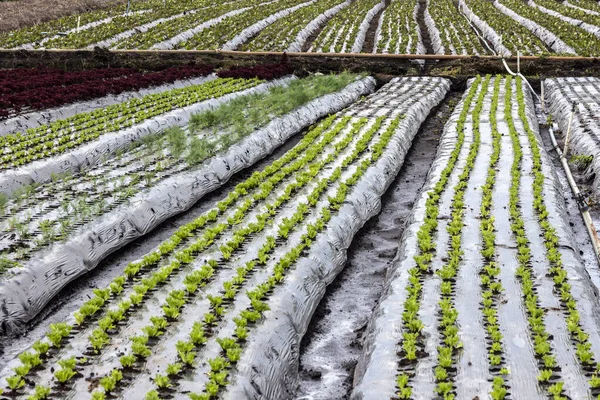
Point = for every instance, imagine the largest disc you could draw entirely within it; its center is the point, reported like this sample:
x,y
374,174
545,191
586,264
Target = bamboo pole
x,y
355,56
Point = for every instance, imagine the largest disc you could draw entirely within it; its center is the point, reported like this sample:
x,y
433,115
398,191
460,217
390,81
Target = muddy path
x,y
70,299
332,344
425,37
371,39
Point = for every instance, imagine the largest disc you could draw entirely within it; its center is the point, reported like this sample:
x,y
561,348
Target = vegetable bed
x,y
270,363
505,34
178,320
560,35
466,27
488,296
27,90
455,32
62,229
562,94
344,33
398,32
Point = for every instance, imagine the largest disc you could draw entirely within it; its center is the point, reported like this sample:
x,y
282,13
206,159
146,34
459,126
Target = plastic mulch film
x,y
269,367
377,369
314,25
37,118
364,27
420,46
584,139
586,294
487,31
553,41
91,153
27,290
434,33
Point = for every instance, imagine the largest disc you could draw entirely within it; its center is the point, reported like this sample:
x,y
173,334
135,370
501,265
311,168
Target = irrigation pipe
x,y
543,96
518,73
566,150
481,38
581,203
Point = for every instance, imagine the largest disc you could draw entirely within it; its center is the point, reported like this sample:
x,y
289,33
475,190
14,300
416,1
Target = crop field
x,y
176,234
533,332
533,27
277,220
200,293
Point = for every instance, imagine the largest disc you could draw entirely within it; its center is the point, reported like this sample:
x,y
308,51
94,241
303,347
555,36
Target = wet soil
x,y
333,342
69,300
370,39
423,27
313,36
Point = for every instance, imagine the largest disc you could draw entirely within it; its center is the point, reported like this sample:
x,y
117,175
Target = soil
x,y
69,300
22,13
370,39
423,27
333,342
313,36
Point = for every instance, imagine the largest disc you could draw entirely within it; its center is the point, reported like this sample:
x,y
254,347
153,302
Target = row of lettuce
x,y
494,111
245,233
40,215
26,90
59,136
334,26
33,89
